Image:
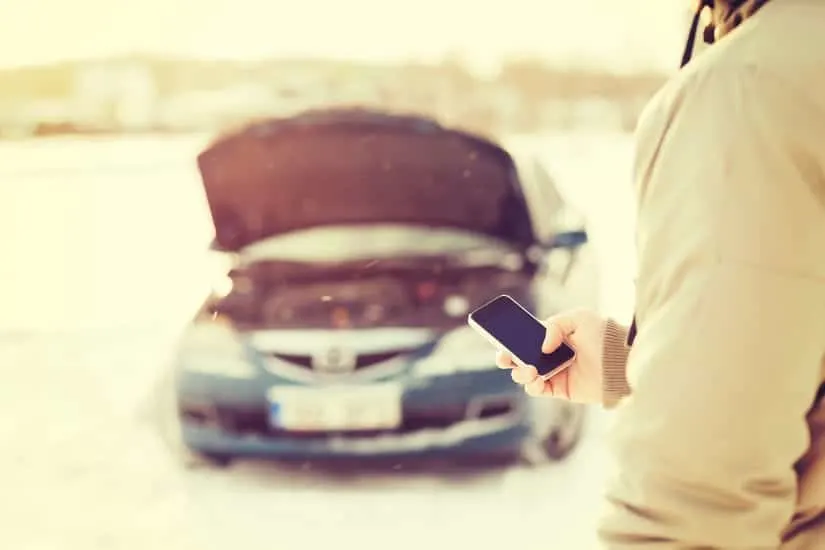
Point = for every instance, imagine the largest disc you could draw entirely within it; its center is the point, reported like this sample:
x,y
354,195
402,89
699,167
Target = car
x,y
356,242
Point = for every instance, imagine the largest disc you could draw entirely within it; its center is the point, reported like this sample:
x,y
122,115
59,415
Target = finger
x,y
538,387
524,375
504,360
559,328
556,386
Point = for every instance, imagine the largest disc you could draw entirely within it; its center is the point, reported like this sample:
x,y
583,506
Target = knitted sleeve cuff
x,y
614,364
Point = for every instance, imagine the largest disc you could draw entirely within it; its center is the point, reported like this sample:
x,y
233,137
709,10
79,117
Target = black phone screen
x,y
520,333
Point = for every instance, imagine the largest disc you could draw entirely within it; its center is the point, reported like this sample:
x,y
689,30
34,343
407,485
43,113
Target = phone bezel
x,y
495,342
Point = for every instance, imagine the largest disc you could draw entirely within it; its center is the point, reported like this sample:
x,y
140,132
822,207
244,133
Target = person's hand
x,y
581,381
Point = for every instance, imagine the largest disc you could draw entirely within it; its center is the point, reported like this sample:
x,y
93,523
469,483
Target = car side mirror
x,y
571,240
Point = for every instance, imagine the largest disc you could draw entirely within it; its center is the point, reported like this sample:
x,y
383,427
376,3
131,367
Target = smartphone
x,y
506,324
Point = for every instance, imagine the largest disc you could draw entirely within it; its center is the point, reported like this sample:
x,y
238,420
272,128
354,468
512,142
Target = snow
x,y
86,328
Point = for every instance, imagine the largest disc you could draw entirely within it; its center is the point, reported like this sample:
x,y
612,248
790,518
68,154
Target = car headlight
x,y
211,346
460,350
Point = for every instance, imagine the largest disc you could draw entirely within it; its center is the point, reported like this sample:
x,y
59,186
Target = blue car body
x,y
343,335
473,413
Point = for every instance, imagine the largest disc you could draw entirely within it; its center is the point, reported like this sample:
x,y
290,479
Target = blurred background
x,y
167,388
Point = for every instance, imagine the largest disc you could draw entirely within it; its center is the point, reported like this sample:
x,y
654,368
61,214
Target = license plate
x,y
340,408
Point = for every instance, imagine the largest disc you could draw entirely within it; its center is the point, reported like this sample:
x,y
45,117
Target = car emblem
x,y
335,360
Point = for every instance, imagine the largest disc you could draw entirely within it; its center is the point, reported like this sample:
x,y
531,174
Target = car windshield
x,y
353,243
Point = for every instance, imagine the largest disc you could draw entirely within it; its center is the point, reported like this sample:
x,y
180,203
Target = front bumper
x,y
471,437
471,414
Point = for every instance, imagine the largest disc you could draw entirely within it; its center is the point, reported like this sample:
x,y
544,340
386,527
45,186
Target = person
x,y
719,427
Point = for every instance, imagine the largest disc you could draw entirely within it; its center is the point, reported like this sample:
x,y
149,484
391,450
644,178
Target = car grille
x,y
239,421
361,361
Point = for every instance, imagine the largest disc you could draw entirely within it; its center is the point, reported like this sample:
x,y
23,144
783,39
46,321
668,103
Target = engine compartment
x,y
279,295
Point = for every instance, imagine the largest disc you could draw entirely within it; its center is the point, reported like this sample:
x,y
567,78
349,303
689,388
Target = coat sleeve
x,y
730,308
615,350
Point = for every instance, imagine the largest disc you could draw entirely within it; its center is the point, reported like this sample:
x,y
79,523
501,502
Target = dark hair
x,y
727,15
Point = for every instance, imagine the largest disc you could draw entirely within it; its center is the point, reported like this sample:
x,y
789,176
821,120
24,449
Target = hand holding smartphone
x,y
506,324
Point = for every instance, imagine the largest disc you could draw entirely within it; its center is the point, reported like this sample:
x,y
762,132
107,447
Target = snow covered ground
x,y
86,321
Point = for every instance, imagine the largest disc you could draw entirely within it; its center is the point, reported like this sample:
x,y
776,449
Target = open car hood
x,y
357,167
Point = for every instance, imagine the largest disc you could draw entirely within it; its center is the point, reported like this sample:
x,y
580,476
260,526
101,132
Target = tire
x,y
195,461
554,444
560,442
217,460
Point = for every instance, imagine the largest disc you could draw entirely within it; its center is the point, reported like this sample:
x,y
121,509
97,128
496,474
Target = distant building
x,y
597,114
199,109
123,94
35,115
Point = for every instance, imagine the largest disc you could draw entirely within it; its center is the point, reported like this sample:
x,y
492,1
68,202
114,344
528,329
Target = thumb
x,y
559,327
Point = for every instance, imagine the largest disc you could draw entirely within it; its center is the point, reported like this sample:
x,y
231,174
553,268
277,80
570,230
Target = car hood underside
x,y
274,178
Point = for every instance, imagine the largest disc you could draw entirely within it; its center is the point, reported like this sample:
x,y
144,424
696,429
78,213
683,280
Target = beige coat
x,y
719,443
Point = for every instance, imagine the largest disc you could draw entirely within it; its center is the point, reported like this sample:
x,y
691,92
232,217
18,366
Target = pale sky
x,y
623,33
